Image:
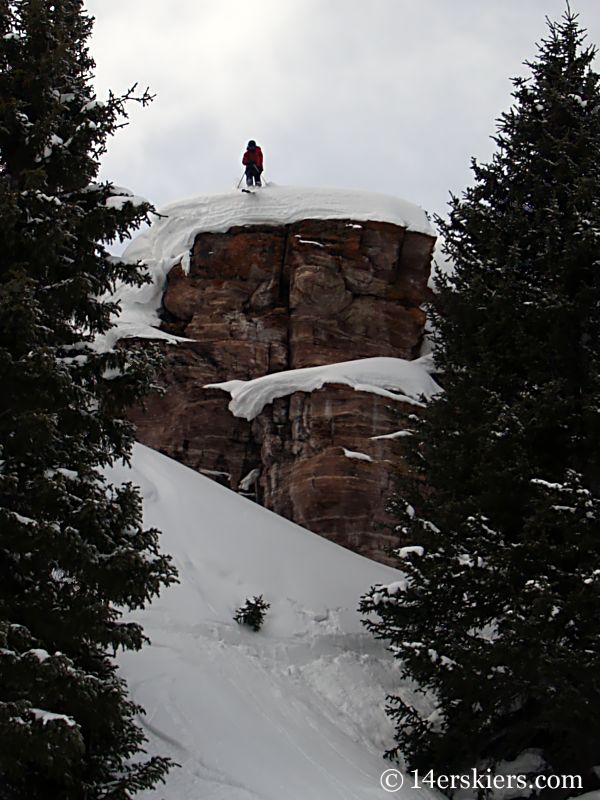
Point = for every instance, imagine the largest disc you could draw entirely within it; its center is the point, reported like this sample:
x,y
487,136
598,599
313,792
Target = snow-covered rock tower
x,y
273,284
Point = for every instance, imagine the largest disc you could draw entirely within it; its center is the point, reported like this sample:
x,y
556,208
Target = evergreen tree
x,y
497,620
252,613
73,552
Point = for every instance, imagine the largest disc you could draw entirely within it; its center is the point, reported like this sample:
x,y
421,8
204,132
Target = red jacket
x,y
253,157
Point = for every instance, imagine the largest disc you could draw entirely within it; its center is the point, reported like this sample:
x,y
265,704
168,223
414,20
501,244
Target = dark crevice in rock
x,y
283,295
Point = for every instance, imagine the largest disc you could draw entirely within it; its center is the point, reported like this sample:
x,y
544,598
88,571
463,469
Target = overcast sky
x,y
392,96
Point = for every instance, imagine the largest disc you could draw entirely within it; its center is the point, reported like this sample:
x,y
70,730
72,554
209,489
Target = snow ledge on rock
x,y
404,381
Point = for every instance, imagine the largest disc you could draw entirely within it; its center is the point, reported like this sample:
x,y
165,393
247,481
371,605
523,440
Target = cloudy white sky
x,y
392,96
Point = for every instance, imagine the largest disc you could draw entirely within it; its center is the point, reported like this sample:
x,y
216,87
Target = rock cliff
x,y
272,295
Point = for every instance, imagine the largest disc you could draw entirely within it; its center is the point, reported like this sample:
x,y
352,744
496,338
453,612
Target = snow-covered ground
x,y
294,711
170,239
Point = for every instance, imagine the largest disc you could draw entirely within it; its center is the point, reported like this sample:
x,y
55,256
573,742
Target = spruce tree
x,y
497,620
252,613
73,552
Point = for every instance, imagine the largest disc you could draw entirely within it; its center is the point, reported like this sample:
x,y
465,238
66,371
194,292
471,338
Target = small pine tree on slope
x,y
497,620
73,552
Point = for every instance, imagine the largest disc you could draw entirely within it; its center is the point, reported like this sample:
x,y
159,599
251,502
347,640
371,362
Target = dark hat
x,y
252,144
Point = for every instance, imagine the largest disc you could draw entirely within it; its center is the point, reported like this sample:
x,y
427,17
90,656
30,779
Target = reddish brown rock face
x,y
307,477
264,299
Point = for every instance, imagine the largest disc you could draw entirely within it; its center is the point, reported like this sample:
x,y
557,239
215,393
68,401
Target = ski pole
x,y
240,180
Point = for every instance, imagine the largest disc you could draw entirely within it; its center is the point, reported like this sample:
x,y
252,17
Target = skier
x,y
253,161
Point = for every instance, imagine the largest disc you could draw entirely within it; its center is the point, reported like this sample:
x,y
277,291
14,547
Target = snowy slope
x,y
293,711
171,237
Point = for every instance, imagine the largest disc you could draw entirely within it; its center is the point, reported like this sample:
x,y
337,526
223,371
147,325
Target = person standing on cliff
x,y
253,161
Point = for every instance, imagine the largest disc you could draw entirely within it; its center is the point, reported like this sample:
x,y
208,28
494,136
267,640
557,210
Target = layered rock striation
x,y
265,297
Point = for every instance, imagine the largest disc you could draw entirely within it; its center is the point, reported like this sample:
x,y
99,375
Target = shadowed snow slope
x,y
294,711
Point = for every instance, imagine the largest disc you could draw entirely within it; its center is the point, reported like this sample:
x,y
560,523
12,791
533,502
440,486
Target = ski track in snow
x,y
294,711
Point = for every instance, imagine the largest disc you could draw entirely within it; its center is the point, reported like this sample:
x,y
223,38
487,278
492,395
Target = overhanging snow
x,y
404,381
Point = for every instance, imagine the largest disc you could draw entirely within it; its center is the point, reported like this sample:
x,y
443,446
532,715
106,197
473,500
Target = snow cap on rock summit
x,y
170,239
